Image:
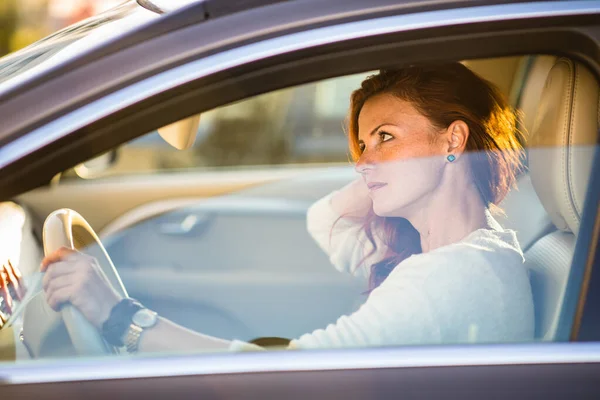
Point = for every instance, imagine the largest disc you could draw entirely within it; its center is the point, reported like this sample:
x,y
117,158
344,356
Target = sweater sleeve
x,y
342,239
396,313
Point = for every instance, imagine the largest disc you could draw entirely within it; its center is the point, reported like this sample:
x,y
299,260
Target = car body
x,y
86,95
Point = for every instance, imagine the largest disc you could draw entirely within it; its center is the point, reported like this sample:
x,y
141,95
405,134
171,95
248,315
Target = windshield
x,y
67,43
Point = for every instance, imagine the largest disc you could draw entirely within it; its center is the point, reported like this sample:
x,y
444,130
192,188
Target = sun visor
x,y
181,134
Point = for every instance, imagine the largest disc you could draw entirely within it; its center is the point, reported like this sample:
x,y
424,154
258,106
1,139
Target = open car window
x,y
291,127
237,236
297,126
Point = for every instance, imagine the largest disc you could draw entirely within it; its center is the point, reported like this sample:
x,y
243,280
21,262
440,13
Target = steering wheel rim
x,y
68,228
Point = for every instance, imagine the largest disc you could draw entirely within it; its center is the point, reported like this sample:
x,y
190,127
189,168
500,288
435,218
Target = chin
x,y
384,210
393,206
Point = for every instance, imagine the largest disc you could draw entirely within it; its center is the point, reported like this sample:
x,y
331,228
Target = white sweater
x,y
475,290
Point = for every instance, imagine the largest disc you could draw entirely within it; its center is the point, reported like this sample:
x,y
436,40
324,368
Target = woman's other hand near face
x,y
75,278
353,200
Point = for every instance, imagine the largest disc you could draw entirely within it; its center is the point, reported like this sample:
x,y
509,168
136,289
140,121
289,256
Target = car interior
x,y
141,217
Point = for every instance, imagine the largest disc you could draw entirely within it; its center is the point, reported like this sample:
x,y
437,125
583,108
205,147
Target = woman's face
x,y
403,155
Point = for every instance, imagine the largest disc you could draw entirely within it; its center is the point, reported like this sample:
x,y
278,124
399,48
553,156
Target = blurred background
x,y
23,22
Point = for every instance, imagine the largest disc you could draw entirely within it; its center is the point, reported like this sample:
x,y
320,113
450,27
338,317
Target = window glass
x,y
300,125
75,39
286,221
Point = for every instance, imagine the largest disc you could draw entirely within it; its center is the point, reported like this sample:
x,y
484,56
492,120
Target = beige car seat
x,y
561,149
523,210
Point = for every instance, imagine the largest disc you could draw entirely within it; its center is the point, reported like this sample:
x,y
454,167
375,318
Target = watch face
x,y
144,318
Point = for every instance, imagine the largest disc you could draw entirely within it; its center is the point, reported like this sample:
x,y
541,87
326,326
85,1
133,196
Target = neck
x,y
452,211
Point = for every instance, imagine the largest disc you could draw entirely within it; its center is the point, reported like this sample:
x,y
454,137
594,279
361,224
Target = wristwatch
x,y
141,320
117,324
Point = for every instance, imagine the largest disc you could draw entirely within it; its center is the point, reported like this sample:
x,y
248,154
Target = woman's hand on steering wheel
x,y
76,278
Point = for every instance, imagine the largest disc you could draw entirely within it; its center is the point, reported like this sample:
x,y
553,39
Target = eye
x,y
361,147
385,136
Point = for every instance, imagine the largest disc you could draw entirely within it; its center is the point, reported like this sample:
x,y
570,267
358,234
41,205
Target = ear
x,y
457,135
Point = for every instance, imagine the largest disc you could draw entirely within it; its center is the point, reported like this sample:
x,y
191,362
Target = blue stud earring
x,y
451,158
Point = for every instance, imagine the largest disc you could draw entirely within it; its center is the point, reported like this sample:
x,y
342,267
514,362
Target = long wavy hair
x,y
443,93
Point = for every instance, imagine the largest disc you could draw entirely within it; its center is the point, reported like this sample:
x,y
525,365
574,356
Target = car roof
x,y
135,20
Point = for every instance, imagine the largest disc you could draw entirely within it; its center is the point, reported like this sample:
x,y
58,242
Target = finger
x,y
20,289
20,282
56,256
59,283
5,293
58,298
13,281
15,271
58,269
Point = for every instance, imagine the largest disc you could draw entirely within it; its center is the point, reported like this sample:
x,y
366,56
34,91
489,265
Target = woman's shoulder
x,y
483,244
483,252
480,281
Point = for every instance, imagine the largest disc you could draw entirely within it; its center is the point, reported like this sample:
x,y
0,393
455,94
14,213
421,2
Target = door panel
x,y
247,268
241,266
102,201
247,305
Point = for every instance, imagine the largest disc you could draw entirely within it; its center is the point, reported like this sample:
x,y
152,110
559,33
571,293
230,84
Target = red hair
x,y
444,93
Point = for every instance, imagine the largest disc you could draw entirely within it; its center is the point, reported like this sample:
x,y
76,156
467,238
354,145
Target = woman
x,y
436,148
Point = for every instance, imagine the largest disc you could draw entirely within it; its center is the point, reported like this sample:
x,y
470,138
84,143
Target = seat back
x,y
523,212
561,149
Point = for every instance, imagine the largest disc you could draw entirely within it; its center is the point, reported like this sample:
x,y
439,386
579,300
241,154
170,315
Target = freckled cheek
x,y
401,153
411,167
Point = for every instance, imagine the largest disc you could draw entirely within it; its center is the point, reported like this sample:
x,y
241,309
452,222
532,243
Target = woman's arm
x,y
168,336
337,221
352,201
76,278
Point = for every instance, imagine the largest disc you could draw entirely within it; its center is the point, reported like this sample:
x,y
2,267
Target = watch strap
x,y
119,320
133,338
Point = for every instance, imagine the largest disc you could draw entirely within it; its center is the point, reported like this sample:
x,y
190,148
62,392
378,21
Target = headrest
x,y
561,146
538,68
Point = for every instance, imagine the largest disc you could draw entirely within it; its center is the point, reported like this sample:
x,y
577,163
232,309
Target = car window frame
x,y
137,116
192,94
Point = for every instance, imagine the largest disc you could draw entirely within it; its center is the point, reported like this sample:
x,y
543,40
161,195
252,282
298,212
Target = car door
x,y
364,373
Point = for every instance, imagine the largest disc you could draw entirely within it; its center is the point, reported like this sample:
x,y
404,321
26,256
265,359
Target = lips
x,y
375,185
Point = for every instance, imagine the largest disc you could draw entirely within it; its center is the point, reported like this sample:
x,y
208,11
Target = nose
x,y
363,165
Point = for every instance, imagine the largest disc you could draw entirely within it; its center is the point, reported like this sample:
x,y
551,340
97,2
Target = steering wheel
x,y
67,228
